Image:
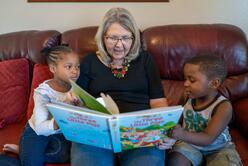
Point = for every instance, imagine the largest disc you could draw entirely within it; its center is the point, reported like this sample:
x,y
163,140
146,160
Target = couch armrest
x,y
241,115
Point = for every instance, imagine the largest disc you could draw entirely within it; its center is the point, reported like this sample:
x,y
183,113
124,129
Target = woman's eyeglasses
x,y
115,39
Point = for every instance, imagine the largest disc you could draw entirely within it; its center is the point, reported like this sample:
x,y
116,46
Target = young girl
x,y
42,140
204,136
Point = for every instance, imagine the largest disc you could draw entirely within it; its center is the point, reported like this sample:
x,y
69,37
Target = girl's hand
x,y
166,144
55,125
71,98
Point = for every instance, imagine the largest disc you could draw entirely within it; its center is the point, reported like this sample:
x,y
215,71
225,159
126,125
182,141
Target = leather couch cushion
x,y
27,44
11,133
14,90
240,116
241,144
81,40
41,73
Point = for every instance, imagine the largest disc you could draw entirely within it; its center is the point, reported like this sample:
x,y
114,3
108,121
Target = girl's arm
x,y
217,124
42,120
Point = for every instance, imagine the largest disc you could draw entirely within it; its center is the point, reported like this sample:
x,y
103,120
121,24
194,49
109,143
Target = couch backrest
x,y
172,45
26,44
81,40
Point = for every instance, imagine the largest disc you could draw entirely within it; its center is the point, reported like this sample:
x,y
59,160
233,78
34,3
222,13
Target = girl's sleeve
x,y
154,81
42,121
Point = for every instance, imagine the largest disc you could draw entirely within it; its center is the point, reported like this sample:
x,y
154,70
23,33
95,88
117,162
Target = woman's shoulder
x,y
144,57
88,60
143,53
89,57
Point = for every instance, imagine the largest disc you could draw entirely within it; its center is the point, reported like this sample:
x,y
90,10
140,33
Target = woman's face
x,y
118,41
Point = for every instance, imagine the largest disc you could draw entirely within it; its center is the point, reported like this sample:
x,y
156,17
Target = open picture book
x,y
100,124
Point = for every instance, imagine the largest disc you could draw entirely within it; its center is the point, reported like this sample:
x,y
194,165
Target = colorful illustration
x,y
143,137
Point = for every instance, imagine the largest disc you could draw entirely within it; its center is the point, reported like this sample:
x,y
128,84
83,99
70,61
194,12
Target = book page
x,y
77,108
110,104
82,126
152,110
89,101
147,128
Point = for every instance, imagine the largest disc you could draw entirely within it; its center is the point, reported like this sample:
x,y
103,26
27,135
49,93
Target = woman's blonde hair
x,y
126,20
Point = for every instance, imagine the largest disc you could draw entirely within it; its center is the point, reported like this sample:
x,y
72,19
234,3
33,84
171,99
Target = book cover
x,y
117,132
82,125
99,123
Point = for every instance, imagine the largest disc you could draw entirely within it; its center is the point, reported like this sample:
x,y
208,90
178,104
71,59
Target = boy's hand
x,y
177,132
166,144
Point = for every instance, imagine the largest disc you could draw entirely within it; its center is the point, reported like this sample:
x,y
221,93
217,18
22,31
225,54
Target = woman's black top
x,y
131,93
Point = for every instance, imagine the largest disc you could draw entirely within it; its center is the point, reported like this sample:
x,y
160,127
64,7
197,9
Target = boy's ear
x,y
215,83
52,68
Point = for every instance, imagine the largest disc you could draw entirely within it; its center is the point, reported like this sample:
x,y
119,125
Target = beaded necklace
x,y
120,72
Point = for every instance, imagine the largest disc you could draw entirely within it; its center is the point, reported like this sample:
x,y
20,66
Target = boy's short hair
x,y
211,65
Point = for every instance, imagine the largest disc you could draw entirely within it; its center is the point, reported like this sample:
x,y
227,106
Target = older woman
x,y
129,75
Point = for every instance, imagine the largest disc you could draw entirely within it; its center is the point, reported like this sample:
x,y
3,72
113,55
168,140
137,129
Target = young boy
x,y
204,136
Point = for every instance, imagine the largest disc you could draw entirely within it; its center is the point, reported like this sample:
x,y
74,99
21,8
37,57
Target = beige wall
x,y
16,15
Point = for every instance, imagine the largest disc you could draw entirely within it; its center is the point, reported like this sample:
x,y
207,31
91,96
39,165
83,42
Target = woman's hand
x,y
166,144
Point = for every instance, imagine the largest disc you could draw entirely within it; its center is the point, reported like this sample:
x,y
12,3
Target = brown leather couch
x,y
170,45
